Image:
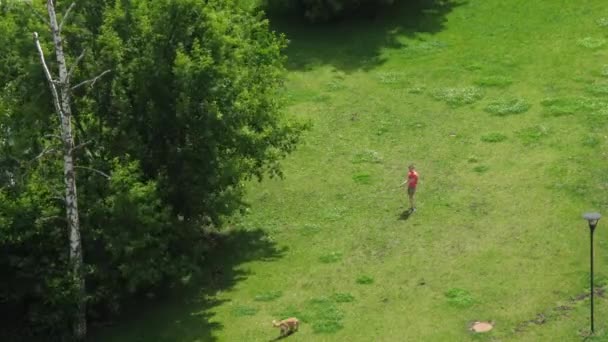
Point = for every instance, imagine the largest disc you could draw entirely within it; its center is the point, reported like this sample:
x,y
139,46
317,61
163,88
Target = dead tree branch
x,y
65,16
82,145
43,153
48,218
92,80
47,73
94,170
52,136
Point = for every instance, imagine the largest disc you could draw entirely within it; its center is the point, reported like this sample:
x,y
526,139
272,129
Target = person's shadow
x,y
405,215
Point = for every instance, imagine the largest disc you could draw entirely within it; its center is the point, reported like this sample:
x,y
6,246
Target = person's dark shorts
x,y
411,190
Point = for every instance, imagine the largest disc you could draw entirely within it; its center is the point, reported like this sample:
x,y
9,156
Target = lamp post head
x,y
592,218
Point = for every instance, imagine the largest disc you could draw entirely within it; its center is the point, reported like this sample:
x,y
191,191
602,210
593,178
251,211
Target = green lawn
x,y
503,107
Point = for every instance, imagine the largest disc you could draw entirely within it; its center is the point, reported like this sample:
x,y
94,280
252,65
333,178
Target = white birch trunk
x,y
61,98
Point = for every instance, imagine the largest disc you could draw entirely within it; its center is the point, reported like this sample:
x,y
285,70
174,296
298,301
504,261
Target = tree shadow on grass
x,y
357,43
186,314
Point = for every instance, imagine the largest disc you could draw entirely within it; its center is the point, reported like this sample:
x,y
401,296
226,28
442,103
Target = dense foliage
x,y
190,109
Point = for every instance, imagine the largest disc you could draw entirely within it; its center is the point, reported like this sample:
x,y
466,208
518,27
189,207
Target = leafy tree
x,y
208,116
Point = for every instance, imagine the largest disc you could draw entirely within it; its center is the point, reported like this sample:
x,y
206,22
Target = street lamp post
x,y
592,218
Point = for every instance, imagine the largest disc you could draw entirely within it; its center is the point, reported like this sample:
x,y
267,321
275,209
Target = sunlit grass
x,y
502,108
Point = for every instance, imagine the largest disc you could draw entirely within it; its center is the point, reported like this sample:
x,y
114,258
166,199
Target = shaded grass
x,y
331,44
187,314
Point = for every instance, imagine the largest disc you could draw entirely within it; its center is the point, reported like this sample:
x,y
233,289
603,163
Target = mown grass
x,y
498,233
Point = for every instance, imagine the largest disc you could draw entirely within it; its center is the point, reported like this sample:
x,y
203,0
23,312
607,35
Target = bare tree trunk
x,y
61,98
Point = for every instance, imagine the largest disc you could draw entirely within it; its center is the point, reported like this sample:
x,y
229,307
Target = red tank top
x,y
412,178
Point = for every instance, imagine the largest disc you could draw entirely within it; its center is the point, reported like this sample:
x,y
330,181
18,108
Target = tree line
x,y
149,114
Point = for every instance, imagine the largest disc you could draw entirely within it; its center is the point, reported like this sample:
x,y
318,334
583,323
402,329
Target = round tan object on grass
x,y
481,327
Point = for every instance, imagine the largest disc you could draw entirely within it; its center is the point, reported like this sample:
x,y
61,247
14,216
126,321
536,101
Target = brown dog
x,y
287,326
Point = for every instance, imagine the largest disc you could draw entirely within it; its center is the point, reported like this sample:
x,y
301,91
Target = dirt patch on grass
x,y
482,327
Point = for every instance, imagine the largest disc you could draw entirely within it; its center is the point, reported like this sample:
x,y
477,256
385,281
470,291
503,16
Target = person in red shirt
x,y
412,182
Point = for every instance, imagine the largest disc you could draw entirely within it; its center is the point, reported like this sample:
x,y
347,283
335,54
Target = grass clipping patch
x,y
458,96
508,107
367,156
592,42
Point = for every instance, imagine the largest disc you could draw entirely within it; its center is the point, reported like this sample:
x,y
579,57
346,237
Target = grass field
x,y
503,107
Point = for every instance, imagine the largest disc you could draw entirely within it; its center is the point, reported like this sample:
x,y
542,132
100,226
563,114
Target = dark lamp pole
x,y
592,218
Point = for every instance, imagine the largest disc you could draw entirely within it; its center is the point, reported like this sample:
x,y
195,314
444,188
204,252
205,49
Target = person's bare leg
x,y
412,201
